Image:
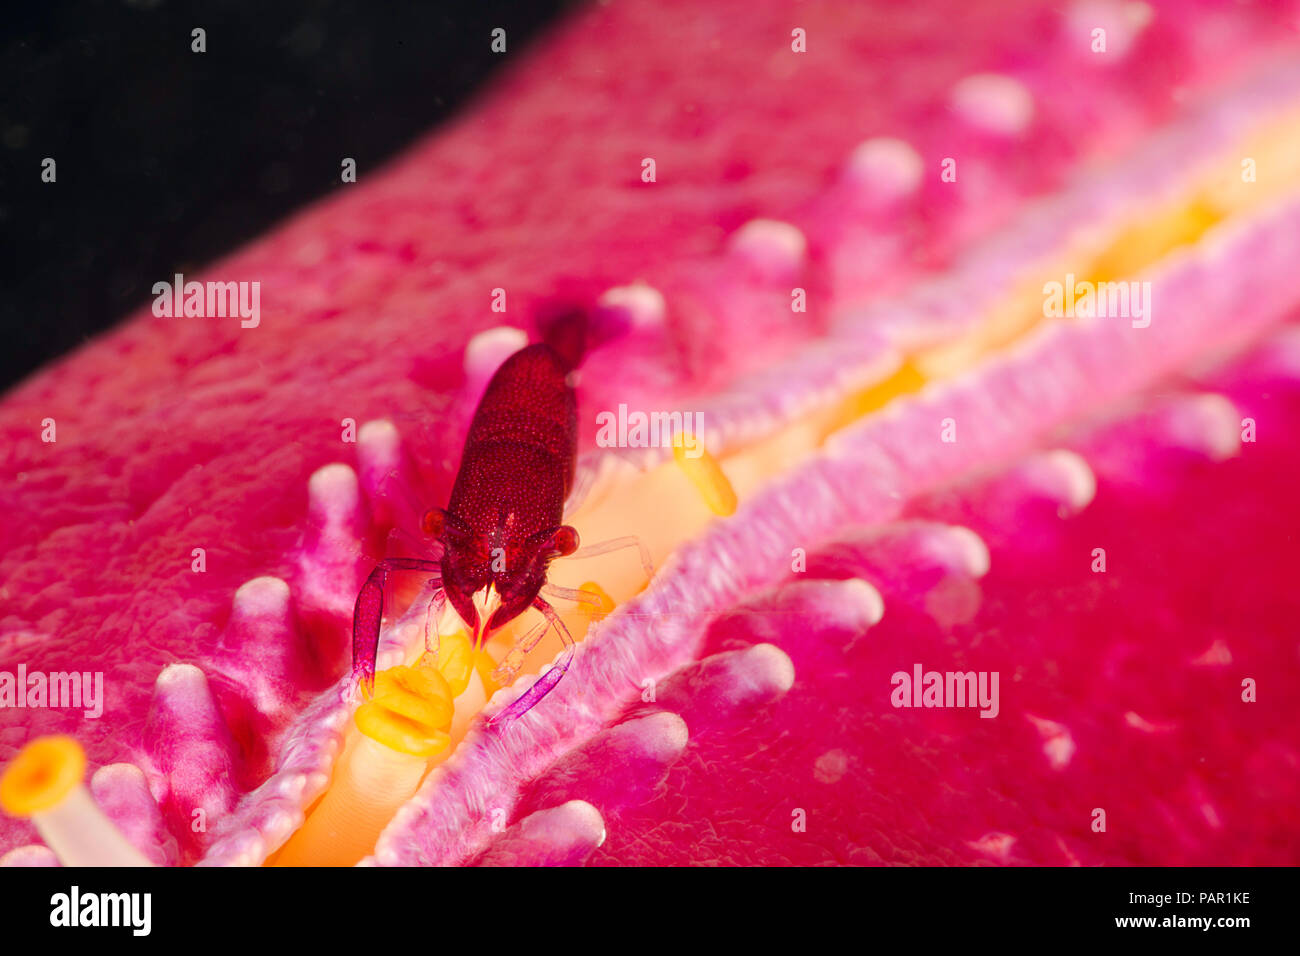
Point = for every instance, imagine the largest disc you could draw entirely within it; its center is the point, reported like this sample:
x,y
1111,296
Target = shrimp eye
x,y
433,522
565,541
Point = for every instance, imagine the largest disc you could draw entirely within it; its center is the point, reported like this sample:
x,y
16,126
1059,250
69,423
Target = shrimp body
x,y
503,524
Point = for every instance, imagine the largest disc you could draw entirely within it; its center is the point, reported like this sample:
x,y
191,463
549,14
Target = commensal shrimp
x,y
503,524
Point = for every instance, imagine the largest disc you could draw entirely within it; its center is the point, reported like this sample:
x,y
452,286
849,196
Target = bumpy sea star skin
x,y
739,709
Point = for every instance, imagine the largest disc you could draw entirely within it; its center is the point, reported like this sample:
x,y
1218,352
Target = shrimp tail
x,y
564,325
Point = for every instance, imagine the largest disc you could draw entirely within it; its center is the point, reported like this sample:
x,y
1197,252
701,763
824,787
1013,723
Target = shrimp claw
x,y
370,611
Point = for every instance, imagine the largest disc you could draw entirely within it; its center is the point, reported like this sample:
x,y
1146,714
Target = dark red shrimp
x,y
504,522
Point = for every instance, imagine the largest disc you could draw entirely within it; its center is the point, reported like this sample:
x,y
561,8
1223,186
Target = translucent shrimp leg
x,y
546,683
576,595
617,544
505,671
431,617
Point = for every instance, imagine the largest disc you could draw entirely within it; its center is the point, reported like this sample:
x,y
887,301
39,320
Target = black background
x,y
360,910
167,159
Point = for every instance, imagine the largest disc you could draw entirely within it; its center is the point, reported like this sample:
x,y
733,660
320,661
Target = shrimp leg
x,y
432,615
370,611
505,671
546,683
576,595
617,544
